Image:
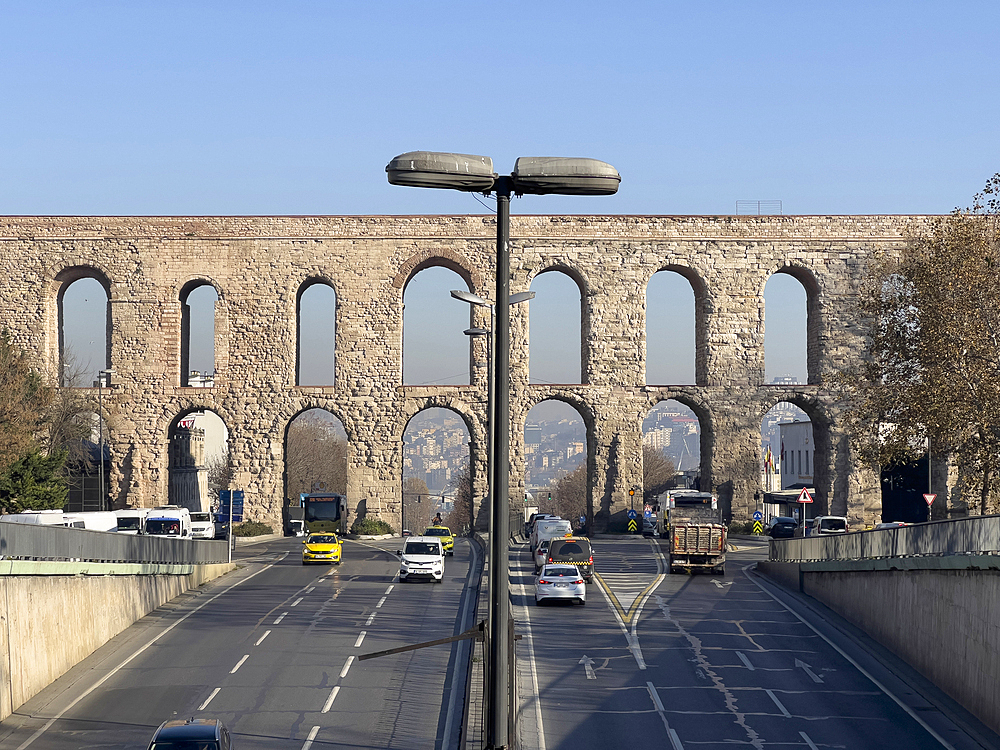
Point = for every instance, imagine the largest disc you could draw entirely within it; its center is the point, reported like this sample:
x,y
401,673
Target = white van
x,y
550,528
95,520
36,517
421,557
131,520
168,520
202,526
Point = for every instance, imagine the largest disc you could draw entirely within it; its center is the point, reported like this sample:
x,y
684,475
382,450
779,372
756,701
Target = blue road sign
x,y
757,515
583,520
631,513
647,513
234,498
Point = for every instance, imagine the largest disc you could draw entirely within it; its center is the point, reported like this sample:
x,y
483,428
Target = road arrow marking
x,y
799,664
588,664
721,584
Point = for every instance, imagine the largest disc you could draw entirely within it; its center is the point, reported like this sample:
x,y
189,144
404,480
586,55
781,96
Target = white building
x,y
796,455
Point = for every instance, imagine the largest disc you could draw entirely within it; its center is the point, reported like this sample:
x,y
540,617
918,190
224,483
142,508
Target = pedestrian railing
x,y
20,541
975,535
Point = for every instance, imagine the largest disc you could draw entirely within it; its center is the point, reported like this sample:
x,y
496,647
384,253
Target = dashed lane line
x,y
361,638
330,700
209,699
239,664
261,639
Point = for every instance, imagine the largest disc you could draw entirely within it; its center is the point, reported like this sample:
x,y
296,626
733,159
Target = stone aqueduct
x,y
260,265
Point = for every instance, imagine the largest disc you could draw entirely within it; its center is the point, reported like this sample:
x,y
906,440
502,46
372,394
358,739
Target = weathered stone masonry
x,y
259,265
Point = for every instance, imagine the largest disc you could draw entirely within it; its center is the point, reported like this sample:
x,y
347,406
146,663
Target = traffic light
x,y
550,497
631,492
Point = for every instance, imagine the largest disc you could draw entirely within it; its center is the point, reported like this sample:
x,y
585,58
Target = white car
x,y
557,581
421,557
202,526
541,554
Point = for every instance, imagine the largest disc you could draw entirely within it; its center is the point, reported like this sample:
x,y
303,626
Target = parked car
x,y
324,548
203,734
540,555
821,525
575,551
781,527
560,582
421,557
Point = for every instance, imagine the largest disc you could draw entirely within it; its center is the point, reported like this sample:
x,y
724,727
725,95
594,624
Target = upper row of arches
x,y
435,349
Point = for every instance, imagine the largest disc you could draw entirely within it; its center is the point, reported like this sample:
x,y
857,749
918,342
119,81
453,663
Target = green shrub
x,y
251,528
741,527
371,527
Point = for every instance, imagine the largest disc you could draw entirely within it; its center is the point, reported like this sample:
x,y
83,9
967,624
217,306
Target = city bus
x,y
324,512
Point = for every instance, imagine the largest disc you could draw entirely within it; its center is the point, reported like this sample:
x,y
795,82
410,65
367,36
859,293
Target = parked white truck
x,y
168,520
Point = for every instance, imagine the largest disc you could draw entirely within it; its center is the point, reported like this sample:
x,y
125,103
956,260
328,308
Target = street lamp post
x,y
534,176
101,385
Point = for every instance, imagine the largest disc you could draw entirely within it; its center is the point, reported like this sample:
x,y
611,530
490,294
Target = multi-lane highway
x,y
272,651
706,662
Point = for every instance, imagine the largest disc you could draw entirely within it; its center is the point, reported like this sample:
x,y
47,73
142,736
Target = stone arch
x,y
814,314
449,259
286,480
191,284
308,283
706,430
184,462
464,414
703,308
824,440
584,289
65,275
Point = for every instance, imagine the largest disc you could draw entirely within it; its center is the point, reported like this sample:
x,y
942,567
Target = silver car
x,y
560,582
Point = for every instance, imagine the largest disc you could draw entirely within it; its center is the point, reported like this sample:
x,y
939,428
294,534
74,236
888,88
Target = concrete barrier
x,y
939,614
49,623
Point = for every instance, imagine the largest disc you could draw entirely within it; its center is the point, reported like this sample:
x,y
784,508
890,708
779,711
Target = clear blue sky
x,y
295,108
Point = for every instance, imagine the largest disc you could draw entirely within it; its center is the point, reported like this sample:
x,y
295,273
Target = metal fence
x,y
974,535
21,541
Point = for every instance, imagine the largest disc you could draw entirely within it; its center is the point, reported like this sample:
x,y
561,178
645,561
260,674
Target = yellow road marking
x,y
636,603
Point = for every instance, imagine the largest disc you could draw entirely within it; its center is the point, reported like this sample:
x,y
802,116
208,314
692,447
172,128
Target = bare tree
x,y
315,454
220,473
461,514
658,472
416,503
569,495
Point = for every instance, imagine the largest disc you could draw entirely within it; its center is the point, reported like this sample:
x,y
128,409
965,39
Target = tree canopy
x,y
932,364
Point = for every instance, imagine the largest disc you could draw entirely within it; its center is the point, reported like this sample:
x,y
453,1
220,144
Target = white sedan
x,y
558,581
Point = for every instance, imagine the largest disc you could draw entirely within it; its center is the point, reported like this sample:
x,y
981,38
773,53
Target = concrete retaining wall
x,y
945,622
49,623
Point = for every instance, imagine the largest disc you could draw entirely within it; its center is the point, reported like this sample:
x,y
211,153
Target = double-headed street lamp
x,y
531,176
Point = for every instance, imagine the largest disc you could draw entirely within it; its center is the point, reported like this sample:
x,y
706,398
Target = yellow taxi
x,y
321,548
447,539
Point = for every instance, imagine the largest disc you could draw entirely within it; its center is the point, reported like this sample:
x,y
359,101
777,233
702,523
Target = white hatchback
x,y
421,557
540,554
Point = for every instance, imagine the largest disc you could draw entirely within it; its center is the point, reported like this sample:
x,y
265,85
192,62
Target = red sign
x,y
186,424
929,498
804,496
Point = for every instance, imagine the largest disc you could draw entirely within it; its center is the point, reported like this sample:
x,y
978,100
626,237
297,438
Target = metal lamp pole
x,y
100,431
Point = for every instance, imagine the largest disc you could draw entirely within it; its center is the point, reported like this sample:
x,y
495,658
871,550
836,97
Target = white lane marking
x,y
534,672
347,666
309,590
209,699
812,745
296,602
239,664
588,665
280,617
360,638
745,661
261,639
149,643
799,664
633,643
330,700
944,743
778,703
309,740
388,590
721,584
658,705
380,603
371,619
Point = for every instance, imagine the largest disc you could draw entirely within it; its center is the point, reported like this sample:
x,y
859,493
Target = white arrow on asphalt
x,y
808,670
588,664
721,584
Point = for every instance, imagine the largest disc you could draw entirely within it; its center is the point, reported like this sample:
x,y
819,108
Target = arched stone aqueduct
x,y
258,266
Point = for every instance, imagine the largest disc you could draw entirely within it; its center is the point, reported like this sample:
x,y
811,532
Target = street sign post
x,y
929,499
805,497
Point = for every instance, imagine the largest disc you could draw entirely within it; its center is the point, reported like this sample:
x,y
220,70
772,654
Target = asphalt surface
x,y
272,649
707,662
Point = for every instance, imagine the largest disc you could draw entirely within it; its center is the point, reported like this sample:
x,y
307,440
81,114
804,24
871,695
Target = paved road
x,y
704,662
271,650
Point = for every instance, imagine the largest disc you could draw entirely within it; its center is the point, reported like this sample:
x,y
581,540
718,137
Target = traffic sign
x,y
758,527
647,513
758,516
804,496
231,501
929,498
631,514
583,520
633,525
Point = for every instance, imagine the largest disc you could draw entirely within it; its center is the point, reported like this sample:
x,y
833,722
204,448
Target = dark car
x,y
781,527
575,551
191,734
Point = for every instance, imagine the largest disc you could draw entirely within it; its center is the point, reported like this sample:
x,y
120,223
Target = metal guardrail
x,y
974,535
21,541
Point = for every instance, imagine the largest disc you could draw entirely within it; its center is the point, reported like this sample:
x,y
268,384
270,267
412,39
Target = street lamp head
x,y
475,332
516,299
541,175
433,169
472,299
